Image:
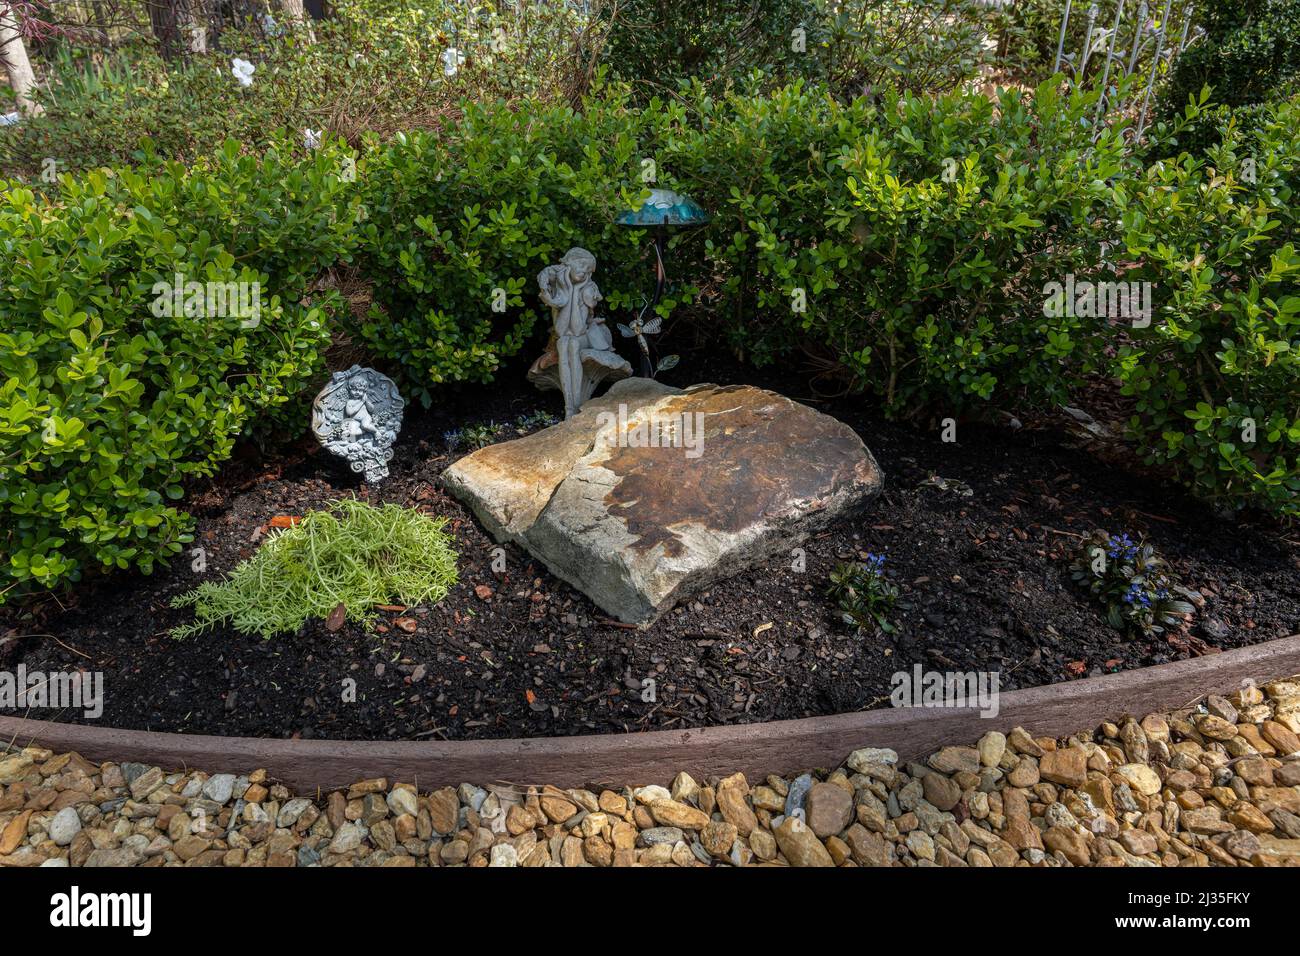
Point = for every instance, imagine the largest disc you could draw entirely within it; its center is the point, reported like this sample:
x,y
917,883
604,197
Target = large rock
x,y
650,493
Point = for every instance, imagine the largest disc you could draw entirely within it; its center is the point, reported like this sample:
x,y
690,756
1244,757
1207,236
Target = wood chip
x,y
336,617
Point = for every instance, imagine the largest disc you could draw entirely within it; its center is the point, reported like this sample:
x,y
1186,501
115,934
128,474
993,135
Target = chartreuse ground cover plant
x,y
354,556
112,396
1131,581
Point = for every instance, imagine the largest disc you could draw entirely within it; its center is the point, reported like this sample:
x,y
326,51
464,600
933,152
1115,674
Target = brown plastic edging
x,y
782,746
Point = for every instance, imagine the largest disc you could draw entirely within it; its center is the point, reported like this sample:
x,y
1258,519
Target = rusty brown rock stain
x,y
760,453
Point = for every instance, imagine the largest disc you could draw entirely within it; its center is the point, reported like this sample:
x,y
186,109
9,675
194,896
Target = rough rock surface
x,y
636,505
1232,802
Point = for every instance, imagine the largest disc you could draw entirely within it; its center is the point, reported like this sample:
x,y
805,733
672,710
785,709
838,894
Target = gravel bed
x,y
1214,784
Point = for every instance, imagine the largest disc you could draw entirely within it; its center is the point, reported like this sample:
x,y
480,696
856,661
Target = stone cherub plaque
x,y
357,416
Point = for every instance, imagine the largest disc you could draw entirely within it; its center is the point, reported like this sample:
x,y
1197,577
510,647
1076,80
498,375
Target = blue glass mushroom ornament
x,y
662,209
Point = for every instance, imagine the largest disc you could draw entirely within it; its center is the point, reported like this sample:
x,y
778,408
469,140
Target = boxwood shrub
x,y
106,406
916,233
1215,378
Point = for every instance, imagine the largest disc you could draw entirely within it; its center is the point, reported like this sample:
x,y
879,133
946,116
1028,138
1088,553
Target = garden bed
x,y
985,586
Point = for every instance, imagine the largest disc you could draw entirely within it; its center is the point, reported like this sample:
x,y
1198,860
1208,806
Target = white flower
x,y
311,138
243,71
269,26
451,61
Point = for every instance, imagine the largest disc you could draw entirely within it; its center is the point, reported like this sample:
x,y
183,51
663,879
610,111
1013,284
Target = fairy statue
x,y
583,347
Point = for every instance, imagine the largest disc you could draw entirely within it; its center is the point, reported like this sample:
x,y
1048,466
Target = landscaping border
x,y
782,746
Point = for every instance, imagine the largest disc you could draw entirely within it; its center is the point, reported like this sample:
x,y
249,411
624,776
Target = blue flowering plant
x,y
863,593
1131,581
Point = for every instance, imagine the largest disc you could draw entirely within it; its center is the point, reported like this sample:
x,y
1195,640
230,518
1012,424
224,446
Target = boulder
x,y
650,493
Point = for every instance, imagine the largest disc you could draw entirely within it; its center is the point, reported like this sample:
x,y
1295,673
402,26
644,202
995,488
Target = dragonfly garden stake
x,y
662,209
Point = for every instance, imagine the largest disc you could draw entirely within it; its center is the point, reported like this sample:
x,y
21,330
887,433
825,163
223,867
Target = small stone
x,y
685,789
1068,767
1156,728
1216,728
519,819
829,809
347,837
146,783
400,801
335,808
219,788
14,833
869,758
1025,773
766,798
503,854
1221,707
597,852
797,794
1070,843
1022,743
373,809
291,812
1248,817
1282,739
800,845
65,825
454,852
763,844
471,796
611,802
1138,842
717,838
648,795
557,809
14,767
1140,777
444,810
991,747
1205,821
1242,844
730,797
867,848
953,759
1135,741
190,847
656,836
941,791
921,845
670,813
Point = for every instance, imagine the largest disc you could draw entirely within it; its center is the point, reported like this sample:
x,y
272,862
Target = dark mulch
x,y
984,580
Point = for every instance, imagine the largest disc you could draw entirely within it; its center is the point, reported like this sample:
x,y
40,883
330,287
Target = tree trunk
x,y
297,17
168,19
19,68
